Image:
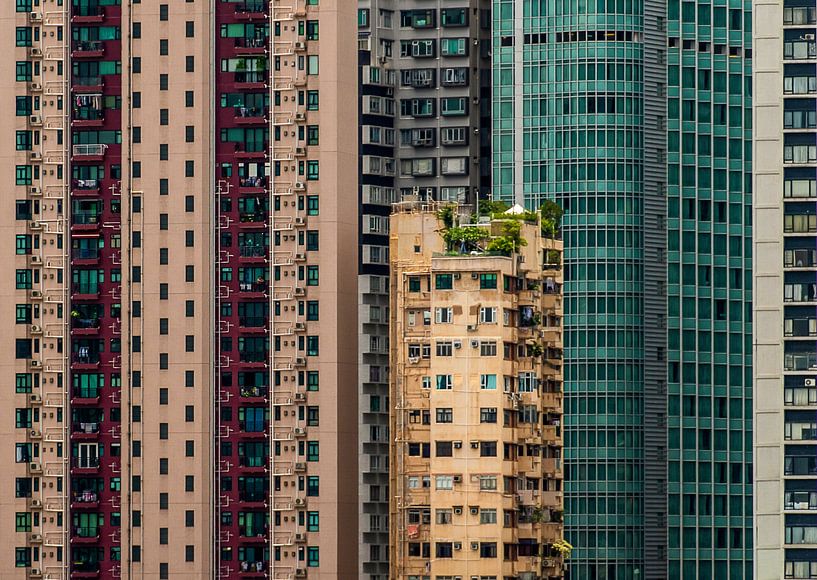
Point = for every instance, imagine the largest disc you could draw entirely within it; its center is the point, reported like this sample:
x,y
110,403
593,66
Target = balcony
x,y
250,115
250,9
85,291
88,49
87,14
87,84
256,289
85,220
85,396
84,500
250,253
254,428
254,356
253,463
251,45
251,395
81,465
84,326
252,184
84,569
85,187
256,219
250,569
85,359
84,256
85,431
85,534
87,117
251,80
89,152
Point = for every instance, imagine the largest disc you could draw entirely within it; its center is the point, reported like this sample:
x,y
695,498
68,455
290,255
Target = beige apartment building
x,y
476,397
181,205
785,289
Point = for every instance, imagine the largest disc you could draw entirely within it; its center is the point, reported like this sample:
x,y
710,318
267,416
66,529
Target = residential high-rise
x,y
424,134
635,118
181,197
476,358
785,290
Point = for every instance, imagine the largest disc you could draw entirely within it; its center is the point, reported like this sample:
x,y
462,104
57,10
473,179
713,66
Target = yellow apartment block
x,y
476,397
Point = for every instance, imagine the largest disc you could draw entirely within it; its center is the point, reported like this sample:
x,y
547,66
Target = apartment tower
x,y
424,117
185,398
475,473
636,118
785,290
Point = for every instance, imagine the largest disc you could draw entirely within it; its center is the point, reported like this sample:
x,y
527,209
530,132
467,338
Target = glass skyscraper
x,y
635,117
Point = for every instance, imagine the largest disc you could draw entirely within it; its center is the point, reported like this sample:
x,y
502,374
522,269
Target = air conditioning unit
x,y
299,431
35,399
548,563
474,510
35,434
300,186
36,87
474,344
299,291
34,191
36,329
457,344
474,577
35,467
457,444
475,545
413,360
808,37
300,151
300,326
35,225
457,510
300,116
300,361
300,45
457,479
35,16
35,538
472,328
36,364
300,397
35,156
474,444
300,466
300,501
810,382
35,503
458,545
35,52
300,257
35,120
300,537
36,261
300,572
299,221
35,573
36,294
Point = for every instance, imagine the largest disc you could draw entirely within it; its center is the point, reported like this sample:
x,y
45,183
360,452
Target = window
x,y
487,516
487,449
487,281
444,282
487,382
444,482
444,382
487,348
487,315
487,415
445,415
444,448
445,348
444,315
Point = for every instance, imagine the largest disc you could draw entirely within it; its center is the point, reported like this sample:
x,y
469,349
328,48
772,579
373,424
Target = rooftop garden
x,y
476,237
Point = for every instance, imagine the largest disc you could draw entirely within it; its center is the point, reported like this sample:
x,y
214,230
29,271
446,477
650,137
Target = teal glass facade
x,y
709,287
638,124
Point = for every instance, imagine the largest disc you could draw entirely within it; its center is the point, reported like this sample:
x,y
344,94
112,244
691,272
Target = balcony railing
x,y
88,46
253,217
85,497
248,566
88,428
86,531
260,76
806,361
252,460
250,112
85,462
89,150
85,567
85,288
85,184
85,218
251,42
87,81
254,391
84,322
85,253
252,321
87,393
88,114
252,286
253,251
